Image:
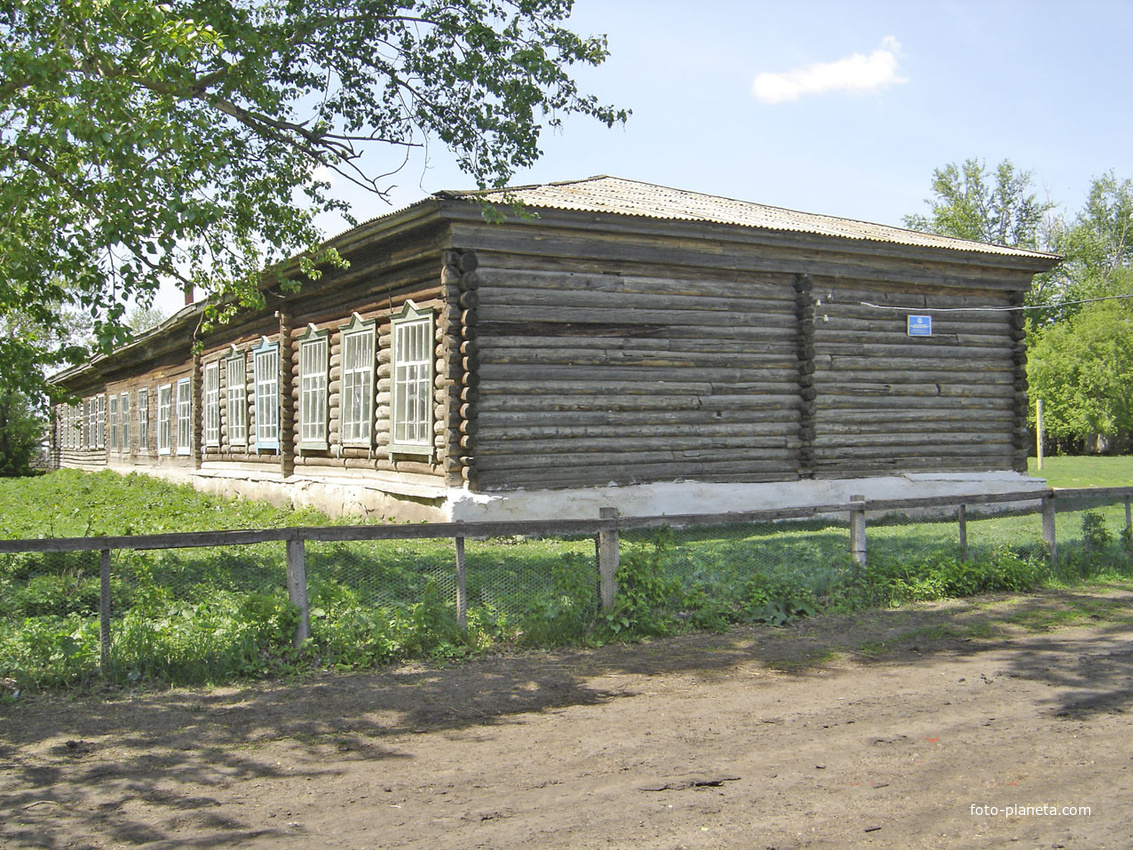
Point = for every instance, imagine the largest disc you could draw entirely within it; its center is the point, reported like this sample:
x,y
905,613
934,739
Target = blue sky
x,y
889,91
1046,84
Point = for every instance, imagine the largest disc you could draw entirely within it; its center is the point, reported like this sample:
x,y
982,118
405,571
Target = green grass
x,y
1084,471
211,615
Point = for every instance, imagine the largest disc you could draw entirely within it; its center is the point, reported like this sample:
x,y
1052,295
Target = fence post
x,y
1128,513
962,519
461,594
104,609
608,557
1049,537
297,586
857,530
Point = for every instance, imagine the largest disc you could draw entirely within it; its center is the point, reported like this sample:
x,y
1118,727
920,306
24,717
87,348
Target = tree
x,y
1098,245
1081,368
21,432
144,317
998,208
191,140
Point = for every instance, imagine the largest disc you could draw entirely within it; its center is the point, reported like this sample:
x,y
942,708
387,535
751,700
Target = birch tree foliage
x,y
997,207
194,139
1083,370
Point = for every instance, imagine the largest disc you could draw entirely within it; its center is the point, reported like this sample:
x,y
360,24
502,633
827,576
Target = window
x,y
313,361
164,419
212,404
65,427
412,408
124,422
265,365
236,389
92,422
143,420
114,423
184,416
357,382
100,424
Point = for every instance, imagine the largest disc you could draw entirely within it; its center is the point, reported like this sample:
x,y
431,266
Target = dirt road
x,y
920,727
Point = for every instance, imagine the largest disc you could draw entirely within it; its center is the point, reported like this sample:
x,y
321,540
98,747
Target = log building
x,y
618,343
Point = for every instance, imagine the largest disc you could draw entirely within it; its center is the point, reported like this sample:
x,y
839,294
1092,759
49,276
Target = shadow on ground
x,y
90,760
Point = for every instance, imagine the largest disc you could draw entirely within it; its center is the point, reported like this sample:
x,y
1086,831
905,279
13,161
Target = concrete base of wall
x,y
365,499
692,497
371,499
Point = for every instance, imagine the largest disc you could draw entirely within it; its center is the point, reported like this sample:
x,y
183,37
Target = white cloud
x,y
856,74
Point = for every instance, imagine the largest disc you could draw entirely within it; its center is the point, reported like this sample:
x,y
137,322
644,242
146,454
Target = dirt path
x,y
876,731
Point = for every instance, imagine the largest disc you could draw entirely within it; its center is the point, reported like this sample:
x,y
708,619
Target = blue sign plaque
x,y
920,325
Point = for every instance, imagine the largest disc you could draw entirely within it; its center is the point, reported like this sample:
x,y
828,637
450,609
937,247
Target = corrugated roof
x,y
619,196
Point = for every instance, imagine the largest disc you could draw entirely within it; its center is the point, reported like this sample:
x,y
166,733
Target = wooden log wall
x,y
587,378
580,351
375,292
1019,357
624,351
887,402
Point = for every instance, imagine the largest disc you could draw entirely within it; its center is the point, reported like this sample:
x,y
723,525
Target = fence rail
x,y
606,529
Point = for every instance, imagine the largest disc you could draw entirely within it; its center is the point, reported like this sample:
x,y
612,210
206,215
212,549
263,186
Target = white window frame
x,y
236,397
165,419
184,416
356,403
124,423
113,419
92,422
100,423
212,404
314,364
412,367
265,369
143,419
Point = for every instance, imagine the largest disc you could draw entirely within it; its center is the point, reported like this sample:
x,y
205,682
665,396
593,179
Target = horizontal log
x,y
849,455
557,458
830,381
775,342
901,348
614,446
773,400
895,405
627,417
556,315
596,376
405,466
525,298
752,286
970,442
657,357
673,245
639,472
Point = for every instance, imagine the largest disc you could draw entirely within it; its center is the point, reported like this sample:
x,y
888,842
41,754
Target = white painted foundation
x,y
375,499
692,497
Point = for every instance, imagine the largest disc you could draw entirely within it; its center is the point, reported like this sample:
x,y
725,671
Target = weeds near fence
x,y
212,615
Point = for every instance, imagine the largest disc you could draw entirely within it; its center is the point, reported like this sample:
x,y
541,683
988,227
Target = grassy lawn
x,y
211,615
1084,471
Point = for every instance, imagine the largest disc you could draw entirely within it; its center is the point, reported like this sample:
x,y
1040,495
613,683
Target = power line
x,y
993,309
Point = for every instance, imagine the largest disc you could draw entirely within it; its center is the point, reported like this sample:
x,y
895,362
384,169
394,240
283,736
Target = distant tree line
x,y
1079,316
